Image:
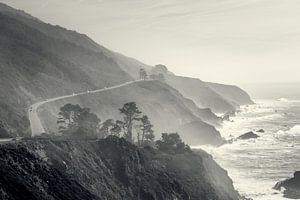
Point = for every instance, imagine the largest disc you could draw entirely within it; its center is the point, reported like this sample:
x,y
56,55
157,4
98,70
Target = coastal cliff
x,y
108,169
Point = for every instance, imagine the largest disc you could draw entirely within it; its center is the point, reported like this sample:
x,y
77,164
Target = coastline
x,y
256,165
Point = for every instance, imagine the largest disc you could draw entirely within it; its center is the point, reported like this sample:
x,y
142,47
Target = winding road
x,y
35,122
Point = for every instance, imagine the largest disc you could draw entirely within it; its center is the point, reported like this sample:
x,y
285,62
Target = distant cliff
x,y
220,98
232,93
108,169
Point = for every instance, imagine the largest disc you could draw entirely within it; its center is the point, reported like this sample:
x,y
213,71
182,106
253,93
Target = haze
x,y
229,41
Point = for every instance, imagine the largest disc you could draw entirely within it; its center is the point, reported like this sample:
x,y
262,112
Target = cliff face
x,y
200,93
219,98
232,93
108,169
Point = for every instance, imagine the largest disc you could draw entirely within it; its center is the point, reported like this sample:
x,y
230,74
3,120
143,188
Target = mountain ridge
x,y
41,61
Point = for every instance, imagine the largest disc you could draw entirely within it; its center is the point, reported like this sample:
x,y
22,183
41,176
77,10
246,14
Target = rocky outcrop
x,y
291,186
247,136
260,131
108,169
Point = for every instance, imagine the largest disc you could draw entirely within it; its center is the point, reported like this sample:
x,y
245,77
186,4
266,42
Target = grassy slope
x,y
35,66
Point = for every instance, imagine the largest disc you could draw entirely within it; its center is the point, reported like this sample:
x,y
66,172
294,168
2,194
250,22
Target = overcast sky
x,y
229,41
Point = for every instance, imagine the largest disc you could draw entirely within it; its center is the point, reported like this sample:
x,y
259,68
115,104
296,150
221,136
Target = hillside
x,y
167,109
232,93
130,65
108,169
34,65
219,98
40,61
200,93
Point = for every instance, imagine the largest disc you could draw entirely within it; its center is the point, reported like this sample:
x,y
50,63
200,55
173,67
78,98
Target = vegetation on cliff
x,y
110,168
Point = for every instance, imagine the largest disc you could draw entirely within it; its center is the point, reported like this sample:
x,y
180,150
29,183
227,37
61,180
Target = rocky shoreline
x,y
290,186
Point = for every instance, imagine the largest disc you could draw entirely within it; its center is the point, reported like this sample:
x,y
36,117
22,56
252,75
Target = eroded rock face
x,y
111,169
291,186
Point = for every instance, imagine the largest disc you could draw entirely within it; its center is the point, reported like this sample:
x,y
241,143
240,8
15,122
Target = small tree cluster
x,y
143,74
111,127
172,143
145,133
73,119
132,121
158,77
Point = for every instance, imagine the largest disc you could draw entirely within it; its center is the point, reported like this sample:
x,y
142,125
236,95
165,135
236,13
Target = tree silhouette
x,y
172,143
131,113
68,117
147,132
143,74
75,119
106,127
117,128
88,122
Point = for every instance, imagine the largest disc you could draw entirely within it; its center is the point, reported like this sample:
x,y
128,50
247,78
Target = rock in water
x,y
291,186
261,131
247,136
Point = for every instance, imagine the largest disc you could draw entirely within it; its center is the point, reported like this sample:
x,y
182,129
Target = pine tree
x,y
131,113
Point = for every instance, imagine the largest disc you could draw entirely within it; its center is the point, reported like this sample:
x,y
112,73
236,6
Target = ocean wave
x,y
287,100
269,117
294,131
283,99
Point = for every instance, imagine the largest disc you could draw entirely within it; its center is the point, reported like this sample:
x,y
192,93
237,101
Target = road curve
x,y
35,122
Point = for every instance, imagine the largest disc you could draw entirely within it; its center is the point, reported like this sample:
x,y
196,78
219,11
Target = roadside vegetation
x,y
134,126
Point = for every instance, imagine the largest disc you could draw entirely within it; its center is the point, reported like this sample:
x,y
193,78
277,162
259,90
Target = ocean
x,y
256,165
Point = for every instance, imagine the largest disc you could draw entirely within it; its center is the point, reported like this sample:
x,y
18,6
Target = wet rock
x,y
247,136
261,131
291,186
226,117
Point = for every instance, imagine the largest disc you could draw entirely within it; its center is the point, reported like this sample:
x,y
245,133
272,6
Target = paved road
x,y
35,122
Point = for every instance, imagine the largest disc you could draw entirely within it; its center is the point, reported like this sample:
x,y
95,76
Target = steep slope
x,y
35,66
109,169
219,98
25,176
166,108
130,65
40,61
200,93
232,93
